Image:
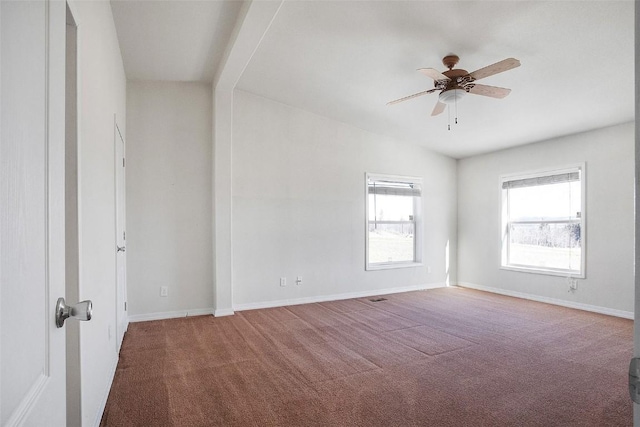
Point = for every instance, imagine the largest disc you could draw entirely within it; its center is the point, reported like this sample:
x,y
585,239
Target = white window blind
x,y
542,180
543,222
395,188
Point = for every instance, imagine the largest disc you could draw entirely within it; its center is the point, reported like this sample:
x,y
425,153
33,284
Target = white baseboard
x,y
105,395
220,312
548,300
334,297
169,315
280,303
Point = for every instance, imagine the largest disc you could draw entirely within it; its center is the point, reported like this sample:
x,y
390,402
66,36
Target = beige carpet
x,y
442,357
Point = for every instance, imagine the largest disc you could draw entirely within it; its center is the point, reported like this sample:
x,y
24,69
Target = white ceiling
x,y
346,59
175,40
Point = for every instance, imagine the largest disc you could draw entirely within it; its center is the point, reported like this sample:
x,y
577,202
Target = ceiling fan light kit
x,y
452,95
454,84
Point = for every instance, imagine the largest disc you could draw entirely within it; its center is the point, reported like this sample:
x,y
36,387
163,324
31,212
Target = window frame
x,y
504,221
417,222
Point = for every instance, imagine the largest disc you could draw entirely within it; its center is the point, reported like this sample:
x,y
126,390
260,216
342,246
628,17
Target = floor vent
x,y
377,299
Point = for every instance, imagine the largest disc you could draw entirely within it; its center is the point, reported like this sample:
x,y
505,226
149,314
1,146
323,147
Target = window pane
x,y
552,201
390,208
555,246
391,242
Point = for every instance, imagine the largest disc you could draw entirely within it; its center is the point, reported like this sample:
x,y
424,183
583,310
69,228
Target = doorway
x,y
121,236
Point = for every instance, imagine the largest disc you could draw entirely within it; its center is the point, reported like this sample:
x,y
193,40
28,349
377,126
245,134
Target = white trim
x,y
105,394
169,315
336,297
543,271
549,300
221,312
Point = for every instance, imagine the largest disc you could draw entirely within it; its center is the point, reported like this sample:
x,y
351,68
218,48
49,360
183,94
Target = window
x,y
543,222
393,237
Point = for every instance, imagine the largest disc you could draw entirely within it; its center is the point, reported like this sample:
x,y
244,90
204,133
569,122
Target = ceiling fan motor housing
x,y
450,61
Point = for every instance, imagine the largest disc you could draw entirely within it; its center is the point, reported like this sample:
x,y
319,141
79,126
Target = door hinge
x,y
123,162
124,236
125,306
634,379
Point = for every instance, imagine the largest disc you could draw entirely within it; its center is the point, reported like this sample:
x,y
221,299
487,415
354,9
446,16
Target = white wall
x,y
298,205
101,88
169,218
609,157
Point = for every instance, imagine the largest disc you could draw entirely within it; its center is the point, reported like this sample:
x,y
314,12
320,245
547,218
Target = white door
x,y
121,258
32,84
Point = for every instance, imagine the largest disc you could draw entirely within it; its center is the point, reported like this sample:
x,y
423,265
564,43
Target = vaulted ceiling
x,y
346,59
173,40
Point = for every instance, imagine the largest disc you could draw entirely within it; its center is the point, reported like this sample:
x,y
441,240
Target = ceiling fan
x,y
454,84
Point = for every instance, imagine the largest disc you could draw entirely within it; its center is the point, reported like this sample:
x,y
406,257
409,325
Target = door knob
x,y
80,311
120,248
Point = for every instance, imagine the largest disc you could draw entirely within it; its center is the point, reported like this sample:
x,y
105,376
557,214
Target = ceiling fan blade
x,y
498,67
415,95
438,109
434,74
492,91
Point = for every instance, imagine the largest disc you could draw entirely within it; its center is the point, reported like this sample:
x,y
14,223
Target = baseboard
x,y
105,395
335,297
169,315
132,318
220,312
548,300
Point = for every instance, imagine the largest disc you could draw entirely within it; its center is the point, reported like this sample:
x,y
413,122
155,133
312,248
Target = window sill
x,y
560,273
373,267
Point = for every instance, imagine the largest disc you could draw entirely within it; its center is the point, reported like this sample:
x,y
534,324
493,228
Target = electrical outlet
x,y
572,283
283,281
299,280
164,291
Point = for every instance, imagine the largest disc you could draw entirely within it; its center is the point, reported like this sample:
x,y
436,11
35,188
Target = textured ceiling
x,y
346,59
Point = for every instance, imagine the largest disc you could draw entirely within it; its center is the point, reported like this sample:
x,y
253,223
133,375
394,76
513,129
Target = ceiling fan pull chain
x,y
448,117
455,99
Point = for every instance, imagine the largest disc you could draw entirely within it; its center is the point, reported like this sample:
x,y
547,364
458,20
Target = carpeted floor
x,y
442,357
